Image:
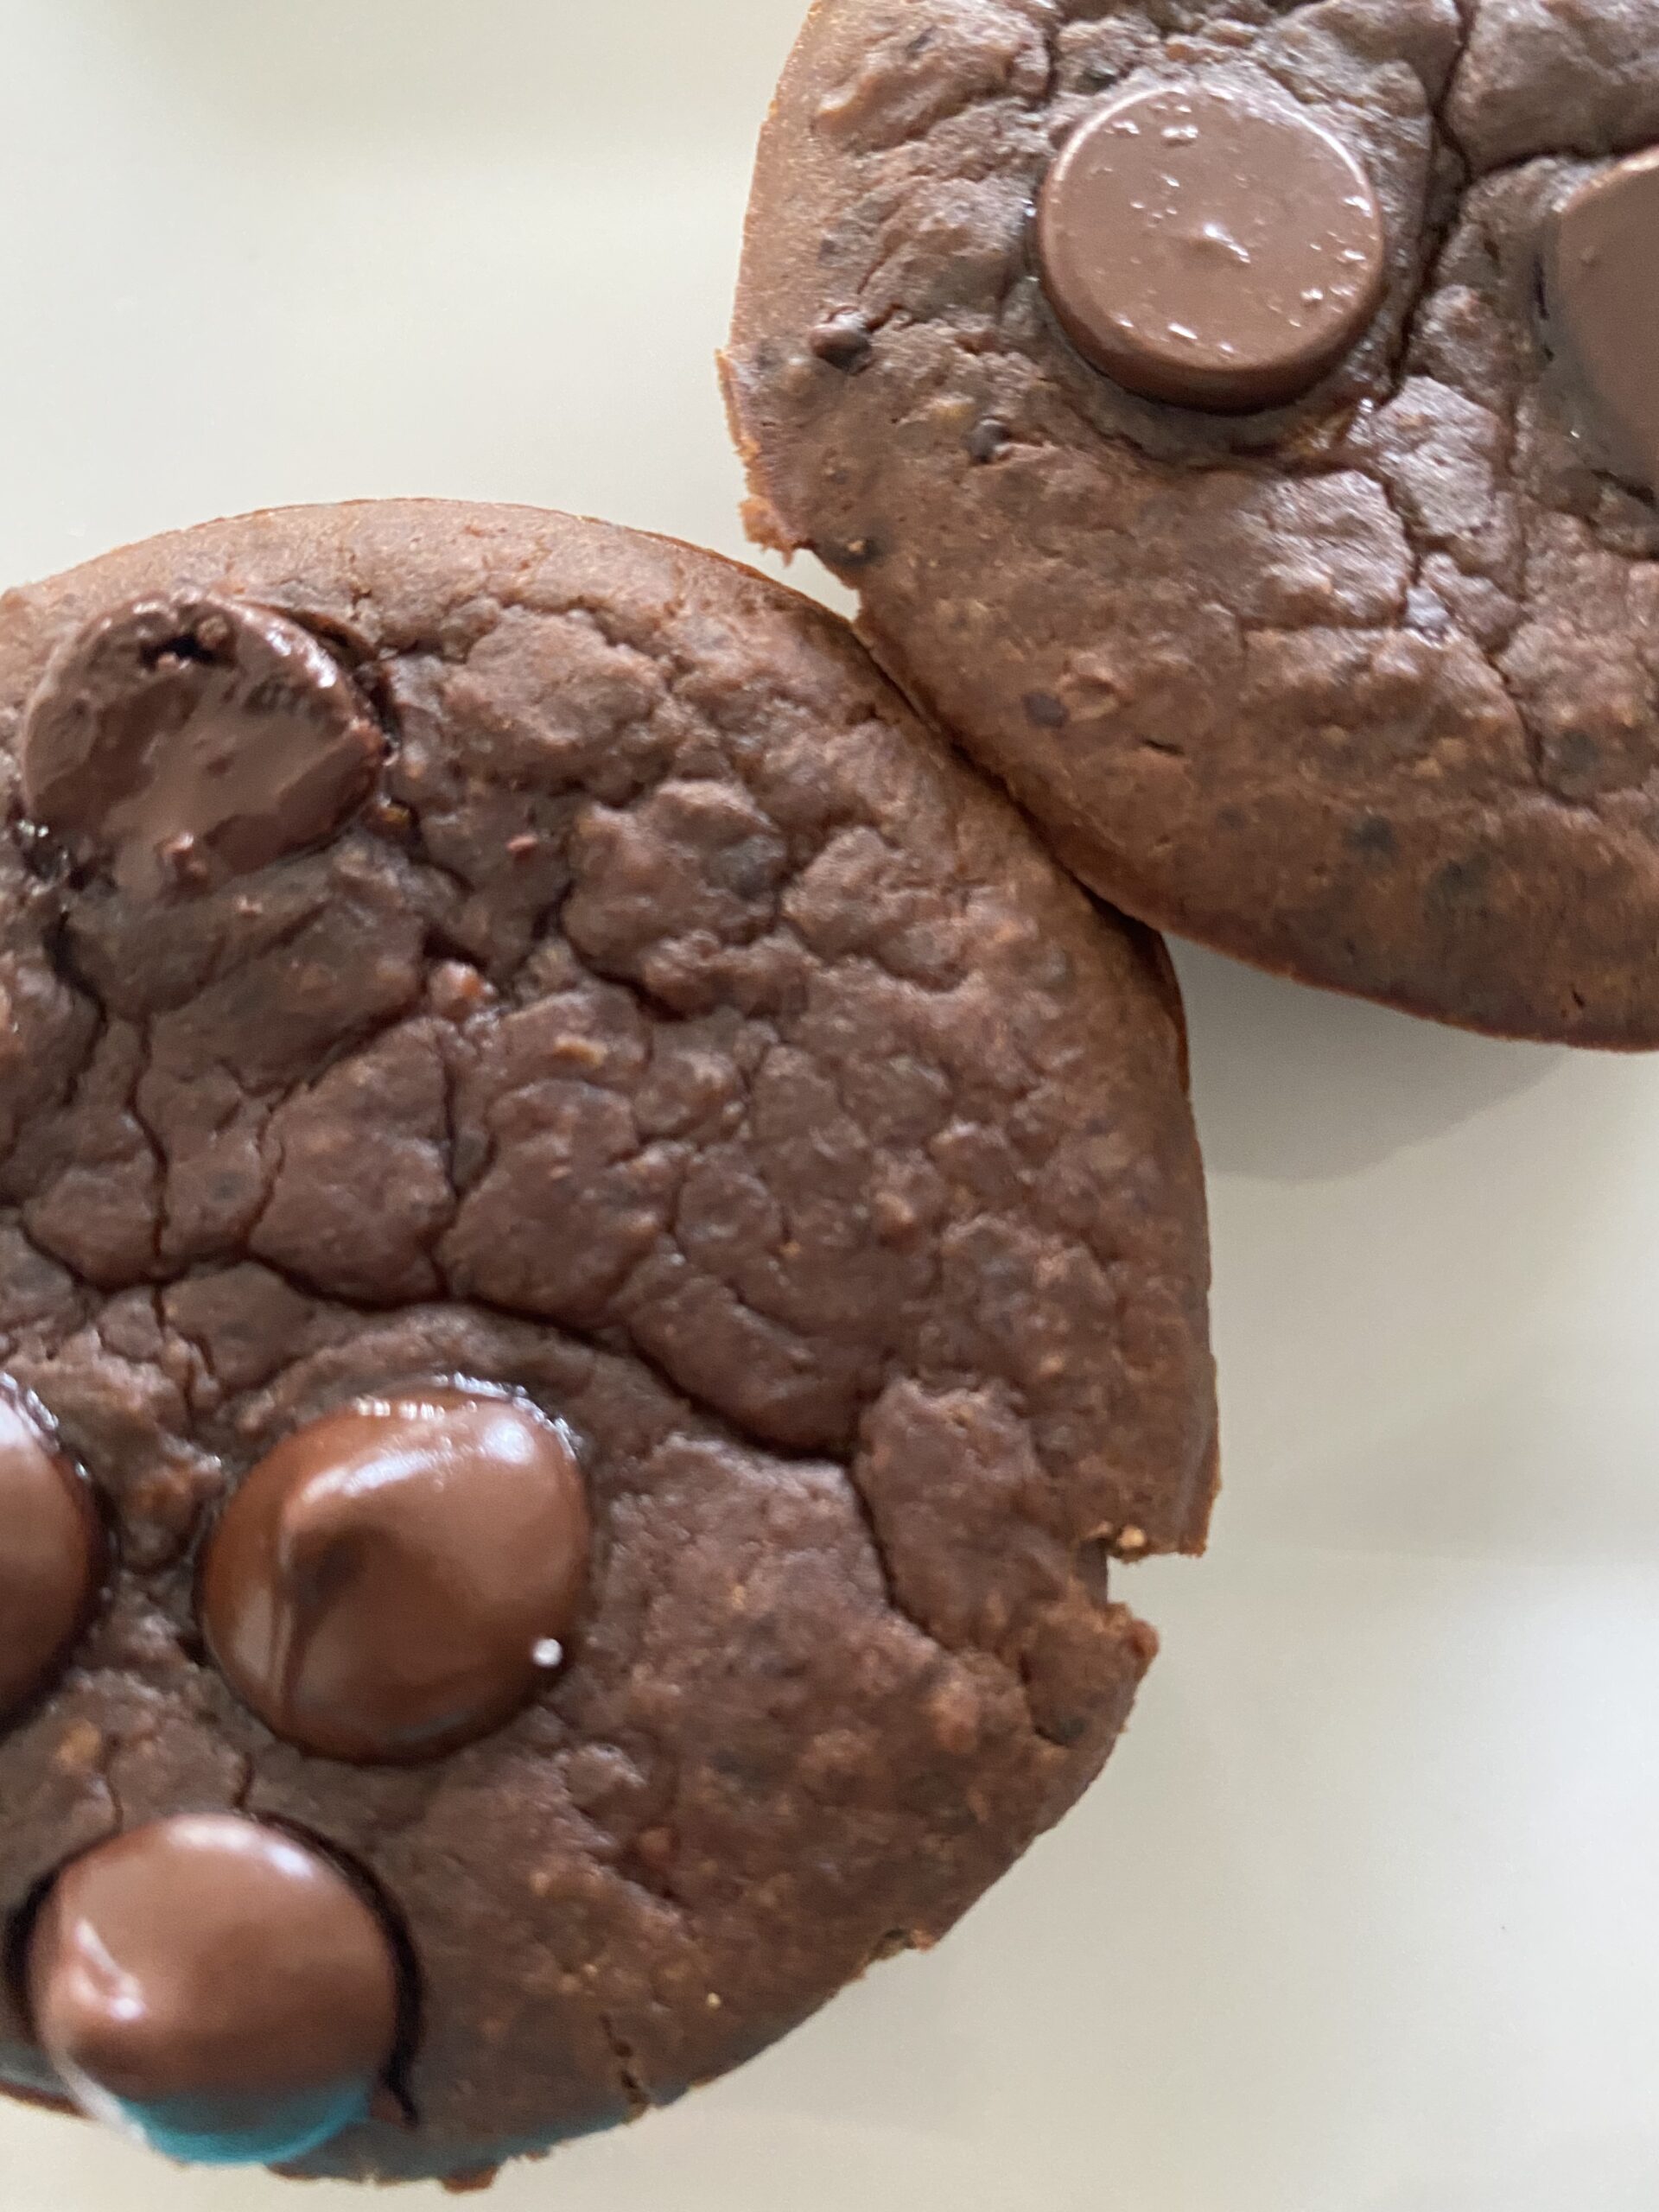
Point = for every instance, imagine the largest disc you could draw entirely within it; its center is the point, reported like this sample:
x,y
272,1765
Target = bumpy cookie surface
x,y
1361,685
578,991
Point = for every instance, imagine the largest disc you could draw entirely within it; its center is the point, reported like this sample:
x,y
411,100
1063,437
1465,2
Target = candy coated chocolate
x,y
397,1577
1207,249
217,1985
228,2131
1601,299
184,740
52,1552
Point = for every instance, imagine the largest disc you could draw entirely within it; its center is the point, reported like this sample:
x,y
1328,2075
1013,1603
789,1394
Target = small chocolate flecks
x,y
1209,251
392,1580
52,1552
1373,834
43,856
1044,710
987,439
181,741
1601,306
844,342
1460,881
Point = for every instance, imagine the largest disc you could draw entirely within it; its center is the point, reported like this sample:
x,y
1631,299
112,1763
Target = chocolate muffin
x,y
598,1256
1239,421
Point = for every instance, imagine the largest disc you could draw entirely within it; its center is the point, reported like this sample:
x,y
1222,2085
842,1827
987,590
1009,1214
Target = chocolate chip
x,y
217,1987
1601,304
1208,251
1374,836
1457,885
844,342
987,439
179,742
1044,711
52,1552
397,1577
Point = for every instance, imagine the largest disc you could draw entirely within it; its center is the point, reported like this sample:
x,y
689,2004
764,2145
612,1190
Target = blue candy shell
x,y
194,2133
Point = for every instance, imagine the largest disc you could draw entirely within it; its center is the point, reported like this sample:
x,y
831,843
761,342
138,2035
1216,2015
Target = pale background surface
x,y
1363,1918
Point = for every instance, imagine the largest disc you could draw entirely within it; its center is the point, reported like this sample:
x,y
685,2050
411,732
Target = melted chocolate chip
x,y
1601,302
397,1577
215,1986
179,742
845,342
1208,250
52,1553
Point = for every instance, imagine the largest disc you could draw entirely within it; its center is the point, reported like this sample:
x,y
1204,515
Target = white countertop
x,y
1364,1918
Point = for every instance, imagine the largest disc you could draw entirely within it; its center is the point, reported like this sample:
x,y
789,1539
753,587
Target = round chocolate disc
x,y
1209,250
397,1577
214,1986
1601,302
52,1553
179,742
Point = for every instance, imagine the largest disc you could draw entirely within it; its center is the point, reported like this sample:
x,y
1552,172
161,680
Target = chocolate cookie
x,y
1239,421
597,1257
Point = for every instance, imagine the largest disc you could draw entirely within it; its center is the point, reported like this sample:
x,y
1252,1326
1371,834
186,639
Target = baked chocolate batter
x,y
621,1258
1238,420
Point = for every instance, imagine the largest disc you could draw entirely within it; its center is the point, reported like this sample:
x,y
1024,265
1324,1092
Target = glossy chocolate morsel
x,y
217,1987
1601,303
395,1579
182,741
1208,251
52,1552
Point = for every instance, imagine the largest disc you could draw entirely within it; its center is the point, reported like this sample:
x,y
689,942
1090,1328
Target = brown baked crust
x,y
688,1040
1362,691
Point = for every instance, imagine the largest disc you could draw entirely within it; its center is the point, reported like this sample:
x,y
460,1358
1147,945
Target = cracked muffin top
x,y
1240,419
598,1254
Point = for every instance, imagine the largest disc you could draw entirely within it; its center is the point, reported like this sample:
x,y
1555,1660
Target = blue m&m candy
x,y
216,1988
232,2132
